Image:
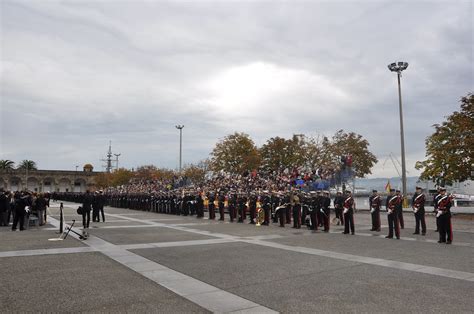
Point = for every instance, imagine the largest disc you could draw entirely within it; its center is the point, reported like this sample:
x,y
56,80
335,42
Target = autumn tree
x,y
236,153
194,173
344,144
279,153
450,149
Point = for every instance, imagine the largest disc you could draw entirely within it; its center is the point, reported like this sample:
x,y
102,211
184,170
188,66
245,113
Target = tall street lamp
x,y
180,128
399,67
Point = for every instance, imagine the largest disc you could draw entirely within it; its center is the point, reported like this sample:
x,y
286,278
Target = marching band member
x,y
296,212
348,213
444,215
325,211
375,203
418,205
399,209
338,204
212,206
313,209
220,204
392,216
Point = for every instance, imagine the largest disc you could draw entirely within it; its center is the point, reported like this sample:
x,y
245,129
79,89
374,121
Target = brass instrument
x,y
260,215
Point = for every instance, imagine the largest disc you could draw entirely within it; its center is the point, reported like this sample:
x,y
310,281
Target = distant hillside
x,y
379,183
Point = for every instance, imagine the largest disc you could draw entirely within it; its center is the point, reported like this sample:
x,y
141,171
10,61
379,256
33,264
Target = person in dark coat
x,y
86,210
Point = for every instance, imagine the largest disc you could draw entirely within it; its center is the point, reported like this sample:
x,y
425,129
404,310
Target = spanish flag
x,y
388,187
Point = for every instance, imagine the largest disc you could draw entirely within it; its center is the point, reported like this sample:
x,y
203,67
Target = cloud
x,y
75,75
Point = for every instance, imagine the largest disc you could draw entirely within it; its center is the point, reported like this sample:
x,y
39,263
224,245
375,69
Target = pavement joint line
x,y
354,258
47,251
205,295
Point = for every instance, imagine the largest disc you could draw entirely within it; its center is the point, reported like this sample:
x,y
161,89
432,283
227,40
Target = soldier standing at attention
x,y
221,201
313,211
435,206
325,204
267,207
392,216
400,209
444,215
374,203
418,205
338,203
348,213
211,206
252,207
296,212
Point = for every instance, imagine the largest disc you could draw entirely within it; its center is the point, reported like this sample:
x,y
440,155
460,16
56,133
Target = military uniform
x,y
418,205
348,213
375,202
392,216
444,217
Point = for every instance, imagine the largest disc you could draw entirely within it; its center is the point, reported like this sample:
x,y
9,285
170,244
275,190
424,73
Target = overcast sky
x,y
76,74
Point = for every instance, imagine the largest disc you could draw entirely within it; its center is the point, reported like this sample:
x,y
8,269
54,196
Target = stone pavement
x,y
147,262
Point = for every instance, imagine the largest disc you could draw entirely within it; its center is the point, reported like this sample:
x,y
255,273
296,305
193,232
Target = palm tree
x,y
27,164
6,164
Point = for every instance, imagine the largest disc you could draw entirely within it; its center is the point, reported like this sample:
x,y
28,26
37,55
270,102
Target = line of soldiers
x,y
442,205
300,208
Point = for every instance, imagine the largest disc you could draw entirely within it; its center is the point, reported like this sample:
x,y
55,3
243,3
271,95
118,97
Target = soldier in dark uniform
x,y
199,206
444,216
267,207
348,213
392,216
435,206
288,211
86,212
319,205
325,210
221,203
296,212
338,203
212,207
400,209
275,202
232,201
314,211
241,203
22,200
375,202
418,205
252,207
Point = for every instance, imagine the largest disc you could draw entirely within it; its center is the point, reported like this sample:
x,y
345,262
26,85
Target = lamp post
x,y
180,128
398,67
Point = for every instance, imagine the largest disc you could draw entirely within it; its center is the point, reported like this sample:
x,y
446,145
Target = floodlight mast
x,y
398,67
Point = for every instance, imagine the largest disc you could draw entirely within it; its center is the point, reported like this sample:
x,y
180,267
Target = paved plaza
x,y
148,262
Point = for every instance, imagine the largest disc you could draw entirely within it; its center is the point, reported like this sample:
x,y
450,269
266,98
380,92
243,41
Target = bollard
x,y
61,218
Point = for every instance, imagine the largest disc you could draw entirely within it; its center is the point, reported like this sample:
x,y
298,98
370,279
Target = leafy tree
x,y
279,153
236,153
195,173
450,149
27,164
120,176
344,144
103,179
6,164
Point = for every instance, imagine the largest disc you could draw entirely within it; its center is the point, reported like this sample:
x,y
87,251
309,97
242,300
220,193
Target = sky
x,y
78,74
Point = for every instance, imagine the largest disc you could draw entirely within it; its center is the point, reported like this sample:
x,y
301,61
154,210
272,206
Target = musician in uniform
x,y
252,207
444,216
221,201
267,207
338,204
435,206
212,207
375,203
313,211
400,209
348,213
392,216
418,205
296,212
241,204
325,211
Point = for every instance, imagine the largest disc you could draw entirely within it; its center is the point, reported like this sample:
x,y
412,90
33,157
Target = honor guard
x,y
313,211
338,207
221,201
392,216
418,205
375,202
267,207
296,212
435,206
325,211
348,213
232,199
444,217
211,206
400,209
252,207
